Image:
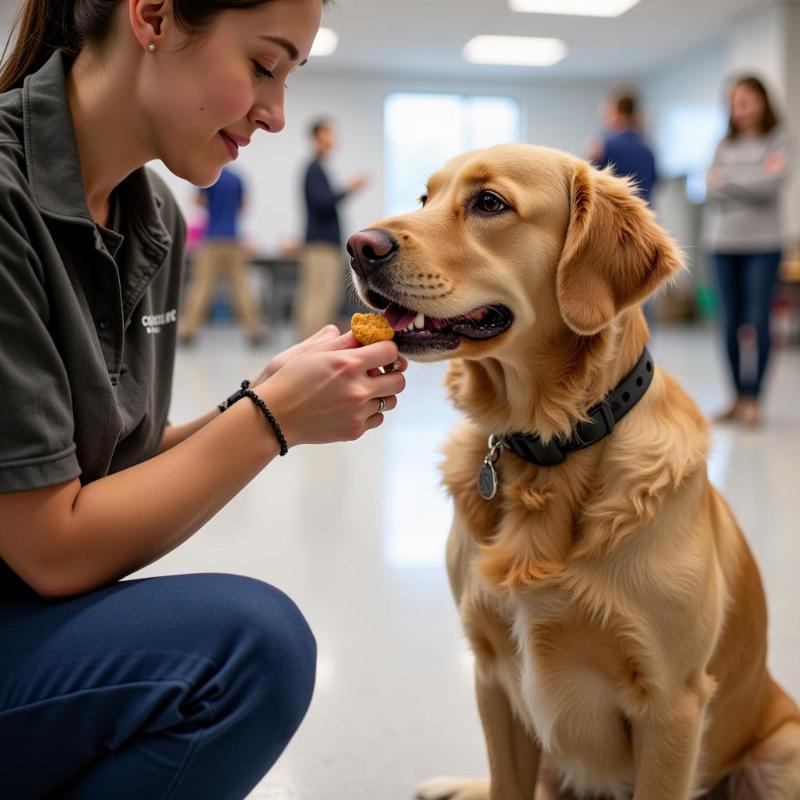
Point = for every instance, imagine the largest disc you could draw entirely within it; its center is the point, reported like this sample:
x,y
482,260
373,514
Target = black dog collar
x,y
602,419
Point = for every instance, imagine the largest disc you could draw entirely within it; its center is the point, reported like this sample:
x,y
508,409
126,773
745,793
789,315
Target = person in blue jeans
x,y
172,688
742,230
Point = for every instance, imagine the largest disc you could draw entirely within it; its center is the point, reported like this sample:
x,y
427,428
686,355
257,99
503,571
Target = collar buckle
x,y
604,409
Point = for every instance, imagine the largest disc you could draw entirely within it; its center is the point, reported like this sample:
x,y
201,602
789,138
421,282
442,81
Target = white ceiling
x,y
424,37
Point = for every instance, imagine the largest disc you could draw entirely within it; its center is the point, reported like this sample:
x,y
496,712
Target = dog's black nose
x,y
370,249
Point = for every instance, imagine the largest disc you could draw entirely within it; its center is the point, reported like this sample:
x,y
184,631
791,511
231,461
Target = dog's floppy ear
x,y
614,255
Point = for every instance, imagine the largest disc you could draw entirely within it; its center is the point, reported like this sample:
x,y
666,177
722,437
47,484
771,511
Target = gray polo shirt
x,y
87,314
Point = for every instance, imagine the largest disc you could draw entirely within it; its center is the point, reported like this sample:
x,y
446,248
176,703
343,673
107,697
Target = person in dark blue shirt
x,y
221,255
624,149
321,278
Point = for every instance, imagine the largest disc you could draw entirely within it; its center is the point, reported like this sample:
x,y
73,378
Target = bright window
x,y
688,136
423,131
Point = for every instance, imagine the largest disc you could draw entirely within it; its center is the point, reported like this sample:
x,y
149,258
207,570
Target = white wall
x,y
560,114
792,21
758,44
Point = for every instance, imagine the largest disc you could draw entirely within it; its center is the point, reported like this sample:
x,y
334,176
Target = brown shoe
x,y
729,414
749,413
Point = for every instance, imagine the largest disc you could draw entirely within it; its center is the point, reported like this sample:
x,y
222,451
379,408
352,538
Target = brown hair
x,y
769,119
44,26
626,104
319,125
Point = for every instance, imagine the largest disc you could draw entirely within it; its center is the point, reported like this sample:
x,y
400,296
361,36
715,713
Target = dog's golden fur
x,y
614,608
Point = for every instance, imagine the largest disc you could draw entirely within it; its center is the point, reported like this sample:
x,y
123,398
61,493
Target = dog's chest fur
x,y
574,669
562,674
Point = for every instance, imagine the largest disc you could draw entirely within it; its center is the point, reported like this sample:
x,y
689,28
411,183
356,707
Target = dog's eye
x,y
489,203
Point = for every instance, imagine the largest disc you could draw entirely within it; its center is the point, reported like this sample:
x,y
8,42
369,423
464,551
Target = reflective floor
x,y
355,534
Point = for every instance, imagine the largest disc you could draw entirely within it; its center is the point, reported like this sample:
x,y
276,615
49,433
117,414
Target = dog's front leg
x,y
514,753
513,756
666,742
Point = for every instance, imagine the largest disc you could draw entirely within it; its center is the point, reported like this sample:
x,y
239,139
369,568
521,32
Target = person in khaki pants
x,y
320,282
221,256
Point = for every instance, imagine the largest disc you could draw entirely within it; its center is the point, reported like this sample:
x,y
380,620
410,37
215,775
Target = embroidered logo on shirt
x,y
153,322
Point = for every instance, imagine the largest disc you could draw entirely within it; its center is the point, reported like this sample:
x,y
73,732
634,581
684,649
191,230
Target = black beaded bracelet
x,y
246,391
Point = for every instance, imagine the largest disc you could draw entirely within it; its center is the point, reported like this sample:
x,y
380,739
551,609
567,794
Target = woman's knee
x,y
256,636
271,643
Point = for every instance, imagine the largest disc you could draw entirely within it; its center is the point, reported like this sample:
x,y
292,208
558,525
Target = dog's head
x,y
511,242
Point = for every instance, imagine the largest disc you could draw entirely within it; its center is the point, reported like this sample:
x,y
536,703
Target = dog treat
x,y
371,328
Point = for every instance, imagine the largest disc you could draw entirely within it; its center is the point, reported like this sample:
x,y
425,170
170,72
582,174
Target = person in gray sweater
x,y
743,235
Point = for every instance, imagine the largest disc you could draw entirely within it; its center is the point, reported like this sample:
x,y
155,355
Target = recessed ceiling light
x,y
325,42
527,51
583,8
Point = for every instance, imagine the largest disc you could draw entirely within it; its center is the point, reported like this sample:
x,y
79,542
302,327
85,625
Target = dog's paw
x,y
453,789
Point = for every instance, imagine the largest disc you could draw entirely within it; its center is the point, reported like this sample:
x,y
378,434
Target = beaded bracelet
x,y
246,391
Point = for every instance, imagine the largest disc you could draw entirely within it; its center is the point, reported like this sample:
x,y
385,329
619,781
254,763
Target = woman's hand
x,y
775,163
319,340
328,389
715,177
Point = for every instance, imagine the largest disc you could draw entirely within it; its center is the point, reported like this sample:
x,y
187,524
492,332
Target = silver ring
x,y
381,405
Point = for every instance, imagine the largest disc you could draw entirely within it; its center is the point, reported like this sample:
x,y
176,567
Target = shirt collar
x,y
54,164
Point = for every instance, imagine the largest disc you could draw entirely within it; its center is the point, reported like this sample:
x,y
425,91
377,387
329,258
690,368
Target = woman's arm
x,y
320,195
757,182
175,434
68,539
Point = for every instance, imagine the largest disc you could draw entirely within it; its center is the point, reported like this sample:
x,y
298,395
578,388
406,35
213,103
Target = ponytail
x,y
41,27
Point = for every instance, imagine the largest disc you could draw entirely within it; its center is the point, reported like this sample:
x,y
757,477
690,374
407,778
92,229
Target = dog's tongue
x,y
398,317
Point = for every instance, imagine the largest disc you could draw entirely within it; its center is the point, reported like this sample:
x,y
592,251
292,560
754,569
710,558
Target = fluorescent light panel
x,y
325,42
526,51
581,8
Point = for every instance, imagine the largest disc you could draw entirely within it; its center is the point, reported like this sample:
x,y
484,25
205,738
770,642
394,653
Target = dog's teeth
x,y
419,321
410,328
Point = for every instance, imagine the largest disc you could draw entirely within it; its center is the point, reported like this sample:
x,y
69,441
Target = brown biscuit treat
x,y
371,328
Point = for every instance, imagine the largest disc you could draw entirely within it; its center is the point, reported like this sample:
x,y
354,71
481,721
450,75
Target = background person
x,y
322,272
624,147
221,255
744,237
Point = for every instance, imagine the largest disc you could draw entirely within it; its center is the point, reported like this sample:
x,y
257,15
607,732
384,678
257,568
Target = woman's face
x,y
747,109
206,97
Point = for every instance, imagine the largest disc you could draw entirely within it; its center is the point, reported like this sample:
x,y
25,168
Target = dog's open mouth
x,y
416,332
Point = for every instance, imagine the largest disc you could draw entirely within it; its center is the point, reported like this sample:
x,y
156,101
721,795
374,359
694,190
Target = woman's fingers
x,y
316,341
378,410
387,385
345,341
375,406
374,356
401,365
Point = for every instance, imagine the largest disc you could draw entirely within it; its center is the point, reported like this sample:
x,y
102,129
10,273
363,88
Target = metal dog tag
x,y
488,481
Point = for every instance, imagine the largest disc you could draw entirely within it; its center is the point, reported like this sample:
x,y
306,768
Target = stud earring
x,y
151,47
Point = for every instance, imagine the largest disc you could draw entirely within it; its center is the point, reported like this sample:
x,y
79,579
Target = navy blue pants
x,y
747,285
179,688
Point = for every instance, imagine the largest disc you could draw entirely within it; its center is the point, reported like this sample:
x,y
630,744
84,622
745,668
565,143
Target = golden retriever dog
x,y
615,611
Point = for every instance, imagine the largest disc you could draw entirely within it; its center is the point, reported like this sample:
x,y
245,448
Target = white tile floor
x,y
355,534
